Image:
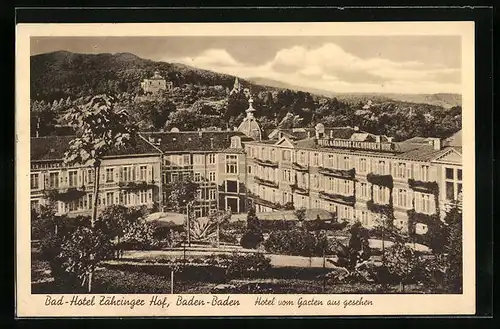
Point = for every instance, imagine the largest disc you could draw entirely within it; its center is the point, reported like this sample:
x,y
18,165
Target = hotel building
x,y
354,174
129,176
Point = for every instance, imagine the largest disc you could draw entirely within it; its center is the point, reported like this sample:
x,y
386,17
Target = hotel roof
x,y
53,148
188,141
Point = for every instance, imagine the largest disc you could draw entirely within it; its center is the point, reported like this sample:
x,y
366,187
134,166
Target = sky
x,y
343,64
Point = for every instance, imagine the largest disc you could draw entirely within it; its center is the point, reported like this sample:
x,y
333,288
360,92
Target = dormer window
x,y
236,142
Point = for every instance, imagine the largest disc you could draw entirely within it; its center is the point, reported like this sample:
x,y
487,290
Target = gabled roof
x,y
193,140
54,147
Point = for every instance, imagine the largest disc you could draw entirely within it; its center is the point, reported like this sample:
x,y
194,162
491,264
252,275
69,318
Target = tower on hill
x,y
236,87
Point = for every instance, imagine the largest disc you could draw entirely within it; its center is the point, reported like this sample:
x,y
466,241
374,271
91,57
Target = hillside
x,y
445,100
61,74
201,99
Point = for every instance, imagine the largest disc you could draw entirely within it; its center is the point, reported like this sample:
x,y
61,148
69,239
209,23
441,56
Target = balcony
x,y
299,167
65,195
386,209
266,182
263,202
266,163
380,180
141,185
348,200
421,186
339,173
299,190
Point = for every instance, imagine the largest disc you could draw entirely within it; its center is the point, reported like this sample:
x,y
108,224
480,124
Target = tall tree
x,y
99,129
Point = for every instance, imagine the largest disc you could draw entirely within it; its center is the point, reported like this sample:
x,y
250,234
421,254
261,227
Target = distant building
x,y
236,87
155,84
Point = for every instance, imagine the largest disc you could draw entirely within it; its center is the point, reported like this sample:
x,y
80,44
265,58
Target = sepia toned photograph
x,y
226,165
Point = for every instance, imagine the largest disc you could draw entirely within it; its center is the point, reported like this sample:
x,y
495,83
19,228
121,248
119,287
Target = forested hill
x,y
201,99
61,74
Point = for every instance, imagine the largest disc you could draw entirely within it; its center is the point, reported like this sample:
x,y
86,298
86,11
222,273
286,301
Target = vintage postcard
x,y
236,169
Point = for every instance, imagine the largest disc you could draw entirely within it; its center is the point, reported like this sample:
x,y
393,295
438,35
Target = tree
x,y
99,130
182,196
253,235
454,246
219,217
401,261
301,215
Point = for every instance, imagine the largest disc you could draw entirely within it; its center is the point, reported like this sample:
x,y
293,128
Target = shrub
x,y
249,265
251,239
227,237
294,242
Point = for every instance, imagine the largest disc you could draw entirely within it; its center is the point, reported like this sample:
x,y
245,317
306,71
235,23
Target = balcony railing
x,y
141,185
381,180
259,200
299,190
266,182
65,195
386,209
340,173
421,186
300,167
266,163
348,200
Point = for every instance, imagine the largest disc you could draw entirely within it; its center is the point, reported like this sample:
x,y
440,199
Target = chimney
x,y
211,142
159,141
356,128
235,128
389,139
200,133
308,134
331,133
377,139
436,143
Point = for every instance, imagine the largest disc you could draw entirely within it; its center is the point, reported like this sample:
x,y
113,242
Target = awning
x,y
167,219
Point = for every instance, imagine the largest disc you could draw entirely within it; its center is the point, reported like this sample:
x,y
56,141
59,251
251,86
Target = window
x,y
72,178
287,175
109,175
402,198
381,167
231,164
364,218
347,163
175,177
211,176
401,170
197,176
186,159
364,191
380,194
232,186
329,161
127,174
315,159
35,184
127,197
211,158
424,173
362,165
54,179
90,176
198,159
109,198
186,176
287,155
143,173
302,157
453,183
273,155
315,181
211,194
